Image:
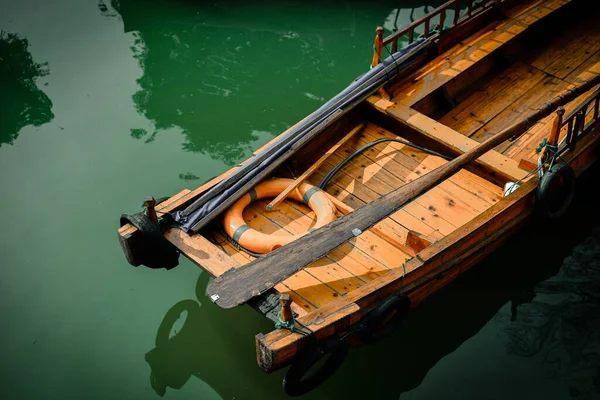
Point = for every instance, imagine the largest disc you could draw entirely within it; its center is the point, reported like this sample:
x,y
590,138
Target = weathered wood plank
x,y
332,271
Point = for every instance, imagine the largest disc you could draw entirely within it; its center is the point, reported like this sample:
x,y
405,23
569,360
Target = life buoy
x,y
555,191
236,227
303,375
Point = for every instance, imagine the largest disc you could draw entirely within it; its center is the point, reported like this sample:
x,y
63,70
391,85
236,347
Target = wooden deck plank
x,y
479,187
490,192
492,98
462,202
366,194
402,216
545,90
350,191
418,207
391,230
586,71
429,80
570,49
406,169
412,162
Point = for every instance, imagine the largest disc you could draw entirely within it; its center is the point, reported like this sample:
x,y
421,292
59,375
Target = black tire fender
x,y
380,321
298,380
555,191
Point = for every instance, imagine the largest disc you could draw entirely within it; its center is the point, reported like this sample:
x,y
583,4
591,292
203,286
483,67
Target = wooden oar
x,y
237,286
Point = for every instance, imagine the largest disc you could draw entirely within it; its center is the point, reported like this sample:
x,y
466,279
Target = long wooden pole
x,y
237,286
283,195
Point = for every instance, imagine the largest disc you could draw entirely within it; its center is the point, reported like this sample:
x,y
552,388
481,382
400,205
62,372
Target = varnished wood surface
x,y
377,172
463,56
242,284
569,57
436,266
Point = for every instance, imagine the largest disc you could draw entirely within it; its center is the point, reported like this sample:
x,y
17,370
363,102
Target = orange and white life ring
x,y
251,239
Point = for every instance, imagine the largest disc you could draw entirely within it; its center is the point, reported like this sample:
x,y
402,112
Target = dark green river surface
x,y
102,104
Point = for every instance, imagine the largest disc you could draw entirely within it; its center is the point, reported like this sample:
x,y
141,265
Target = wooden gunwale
x,y
483,234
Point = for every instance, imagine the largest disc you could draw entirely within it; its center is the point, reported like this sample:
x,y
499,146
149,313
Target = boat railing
x,y
578,122
433,23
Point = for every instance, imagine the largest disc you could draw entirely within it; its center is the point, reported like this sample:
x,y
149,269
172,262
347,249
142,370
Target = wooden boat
x,y
492,126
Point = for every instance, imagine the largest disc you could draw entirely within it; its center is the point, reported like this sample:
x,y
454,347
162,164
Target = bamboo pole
x,y
237,286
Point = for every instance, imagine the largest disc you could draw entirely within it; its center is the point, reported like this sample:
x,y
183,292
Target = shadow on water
x,y
196,339
554,314
247,70
546,308
21,102
561,324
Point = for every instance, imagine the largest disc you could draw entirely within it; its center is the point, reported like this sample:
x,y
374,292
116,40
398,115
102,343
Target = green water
x,y
102,104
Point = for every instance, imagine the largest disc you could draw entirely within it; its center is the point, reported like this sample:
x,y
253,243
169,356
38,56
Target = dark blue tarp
x,y
222,195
